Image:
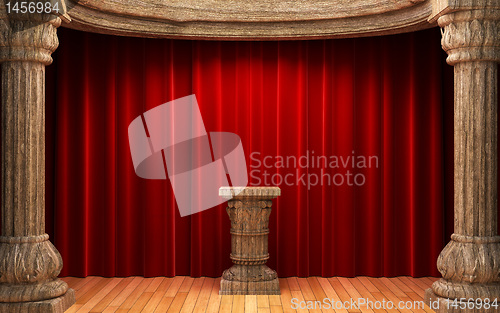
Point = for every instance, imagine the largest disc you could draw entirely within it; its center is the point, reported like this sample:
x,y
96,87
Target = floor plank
x,y
215,299
89,304
204,296
126,292
422,282
276,309
354,294
365,294
186,284
300,297
173,289
343,294
411,284
274,300
102,305
263,301
201,295
293,284
286,296
251,304
192,296
141,302
377,295
389,293
404,287
226,304
177,303
77,286
136,294
320,294
154,284
331,294
403,296
306,290
88,287
238,304
164,305
158,295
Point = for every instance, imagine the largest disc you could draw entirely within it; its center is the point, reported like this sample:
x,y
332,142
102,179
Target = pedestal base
x,y
232,287
444,305
249,280
56,305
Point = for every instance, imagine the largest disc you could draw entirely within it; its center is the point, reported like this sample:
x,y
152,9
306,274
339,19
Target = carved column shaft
x,y
23,149
29,263
476,149
470,263
249,211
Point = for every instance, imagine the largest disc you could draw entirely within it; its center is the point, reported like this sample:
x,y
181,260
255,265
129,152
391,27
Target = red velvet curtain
x,y
379,97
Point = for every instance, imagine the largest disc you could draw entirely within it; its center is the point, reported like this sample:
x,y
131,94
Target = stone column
x,y
29,263
249,210
470,263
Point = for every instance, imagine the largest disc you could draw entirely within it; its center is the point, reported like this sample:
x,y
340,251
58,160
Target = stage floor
x,y
186,294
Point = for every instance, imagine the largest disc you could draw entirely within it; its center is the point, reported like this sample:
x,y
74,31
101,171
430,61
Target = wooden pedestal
x,y
249,210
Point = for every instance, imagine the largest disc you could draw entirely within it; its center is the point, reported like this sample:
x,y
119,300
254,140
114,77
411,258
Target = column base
x,y
249,280
444,305
232,287
56,305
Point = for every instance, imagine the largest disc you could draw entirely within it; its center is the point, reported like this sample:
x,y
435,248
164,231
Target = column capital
x,y
471,35
28,37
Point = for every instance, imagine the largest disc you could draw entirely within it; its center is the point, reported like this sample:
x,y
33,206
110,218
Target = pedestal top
x,y
249,192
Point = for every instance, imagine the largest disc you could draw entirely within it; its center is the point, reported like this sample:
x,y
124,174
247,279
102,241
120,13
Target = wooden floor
x,y
186,294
